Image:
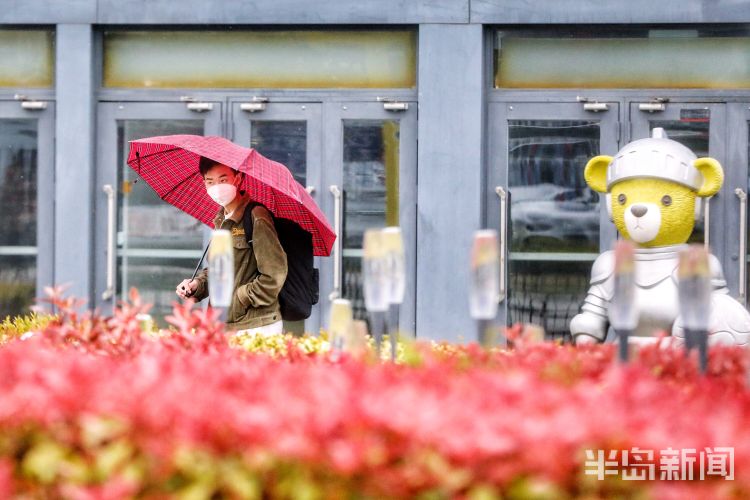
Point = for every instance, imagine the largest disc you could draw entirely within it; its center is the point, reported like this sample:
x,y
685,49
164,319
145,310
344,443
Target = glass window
x,y
284,142
371,165
18,224
26,58
260,59
624,58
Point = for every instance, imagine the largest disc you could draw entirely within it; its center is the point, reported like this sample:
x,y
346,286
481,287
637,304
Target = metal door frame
x,y
717,146
45,216
108,114
736,175
499,113
334,113
239,121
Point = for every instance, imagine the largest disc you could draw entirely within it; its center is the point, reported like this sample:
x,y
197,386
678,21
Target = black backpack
x,y
300,290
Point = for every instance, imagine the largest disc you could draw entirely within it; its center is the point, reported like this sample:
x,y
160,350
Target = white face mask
x,y
223,194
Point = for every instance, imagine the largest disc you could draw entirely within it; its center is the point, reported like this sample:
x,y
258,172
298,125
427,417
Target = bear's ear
x,y
713,176
595,173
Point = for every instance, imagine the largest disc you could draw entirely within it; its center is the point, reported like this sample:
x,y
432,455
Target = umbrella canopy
x,y
169,164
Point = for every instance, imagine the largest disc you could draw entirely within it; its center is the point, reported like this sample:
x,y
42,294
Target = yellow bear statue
x,y
654,189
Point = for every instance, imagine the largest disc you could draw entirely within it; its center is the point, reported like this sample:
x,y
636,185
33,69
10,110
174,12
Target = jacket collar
x,y
236,215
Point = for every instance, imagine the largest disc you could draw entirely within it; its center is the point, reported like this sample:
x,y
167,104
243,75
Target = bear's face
x,y
653,208
653,212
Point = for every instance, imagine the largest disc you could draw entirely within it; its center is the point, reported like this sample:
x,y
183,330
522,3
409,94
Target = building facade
x,y
440,116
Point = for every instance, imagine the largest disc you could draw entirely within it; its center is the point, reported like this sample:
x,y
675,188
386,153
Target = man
x,y
260,267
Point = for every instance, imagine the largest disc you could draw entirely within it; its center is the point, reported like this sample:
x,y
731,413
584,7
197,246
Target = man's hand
x,y
186,289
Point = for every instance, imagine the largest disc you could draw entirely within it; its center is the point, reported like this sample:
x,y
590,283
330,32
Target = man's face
x,y
221,174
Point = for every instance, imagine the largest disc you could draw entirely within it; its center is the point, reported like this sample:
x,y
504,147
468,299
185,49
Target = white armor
x,y
656,298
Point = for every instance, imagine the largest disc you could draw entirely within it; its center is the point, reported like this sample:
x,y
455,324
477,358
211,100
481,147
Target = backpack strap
x,y
247,222
247,219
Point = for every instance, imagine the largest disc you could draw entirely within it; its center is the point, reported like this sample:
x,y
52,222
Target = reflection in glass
x,y
284,142
371,163
158,245
18,219
692,133
552,208
17,284
554,220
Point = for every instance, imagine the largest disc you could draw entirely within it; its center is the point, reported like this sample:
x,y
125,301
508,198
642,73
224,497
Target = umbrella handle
x,y
195,273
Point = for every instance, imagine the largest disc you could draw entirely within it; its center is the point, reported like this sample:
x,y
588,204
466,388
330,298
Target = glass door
x,y
26,205
370,179
556,225
141,240
700,127
289,133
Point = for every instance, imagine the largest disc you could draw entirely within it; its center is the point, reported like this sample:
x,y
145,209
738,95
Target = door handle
x,y
200,107
503,239
742,195
256,105
109,292
707,223
336,293
310,190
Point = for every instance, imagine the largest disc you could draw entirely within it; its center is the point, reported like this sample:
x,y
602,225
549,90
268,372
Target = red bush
x,y
122,414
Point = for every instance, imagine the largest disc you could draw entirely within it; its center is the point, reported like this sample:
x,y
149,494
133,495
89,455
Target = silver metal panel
x,y
450,176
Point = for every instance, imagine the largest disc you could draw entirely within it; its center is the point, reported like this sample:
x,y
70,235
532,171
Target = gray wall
x,y
608,11
371,11
234,12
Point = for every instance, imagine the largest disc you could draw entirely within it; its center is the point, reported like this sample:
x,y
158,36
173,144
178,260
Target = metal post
x,y
393,311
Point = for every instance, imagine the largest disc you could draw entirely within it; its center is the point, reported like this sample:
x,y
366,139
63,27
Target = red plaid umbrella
x,y
169,164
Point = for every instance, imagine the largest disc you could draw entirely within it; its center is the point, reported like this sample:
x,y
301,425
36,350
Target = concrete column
x,y
74,158
449,175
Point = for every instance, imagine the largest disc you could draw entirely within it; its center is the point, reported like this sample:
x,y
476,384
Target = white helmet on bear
x,y
657,157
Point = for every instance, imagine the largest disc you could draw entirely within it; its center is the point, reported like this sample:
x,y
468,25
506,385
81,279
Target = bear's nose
x,y
638,210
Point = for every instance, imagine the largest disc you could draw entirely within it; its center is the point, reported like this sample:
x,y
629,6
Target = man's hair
x,y
206,164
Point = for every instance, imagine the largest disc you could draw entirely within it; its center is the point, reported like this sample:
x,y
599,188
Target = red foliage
x,y
513,421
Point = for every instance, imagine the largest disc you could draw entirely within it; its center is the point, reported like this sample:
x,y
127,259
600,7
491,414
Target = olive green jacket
x,y
259,269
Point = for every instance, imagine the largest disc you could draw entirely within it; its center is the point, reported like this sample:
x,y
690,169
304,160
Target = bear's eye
x,y
666,200
621,198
